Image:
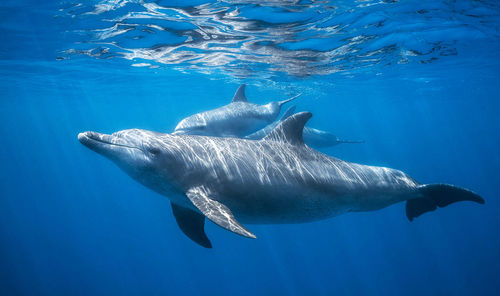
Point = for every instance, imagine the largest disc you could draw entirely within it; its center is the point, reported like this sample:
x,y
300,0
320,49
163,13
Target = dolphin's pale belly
x,y
269,182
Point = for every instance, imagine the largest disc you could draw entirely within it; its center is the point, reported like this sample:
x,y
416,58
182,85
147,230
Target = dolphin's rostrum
x,y
274,180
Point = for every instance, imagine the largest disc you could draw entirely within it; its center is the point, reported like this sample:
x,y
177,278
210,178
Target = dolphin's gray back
x,y
318,138
312,137
260,134
244,160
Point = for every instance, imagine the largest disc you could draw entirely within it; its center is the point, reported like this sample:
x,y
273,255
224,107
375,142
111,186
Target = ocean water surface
x,y
416,80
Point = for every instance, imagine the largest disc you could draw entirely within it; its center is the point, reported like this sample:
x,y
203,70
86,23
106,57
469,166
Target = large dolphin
x,y
274,180
237,119
312,137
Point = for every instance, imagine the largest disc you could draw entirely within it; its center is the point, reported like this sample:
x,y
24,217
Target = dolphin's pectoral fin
x,y
216,212
192,224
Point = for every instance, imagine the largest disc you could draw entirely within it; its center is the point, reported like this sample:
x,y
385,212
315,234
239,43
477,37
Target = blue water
x,y
417,80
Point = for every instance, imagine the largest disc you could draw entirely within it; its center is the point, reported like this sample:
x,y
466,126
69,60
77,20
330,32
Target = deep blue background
x,y
71,223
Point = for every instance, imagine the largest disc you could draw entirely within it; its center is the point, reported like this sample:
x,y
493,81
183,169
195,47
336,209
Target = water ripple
x,y
268,38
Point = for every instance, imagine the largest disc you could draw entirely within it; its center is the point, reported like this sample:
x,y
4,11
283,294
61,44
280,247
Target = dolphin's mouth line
x,y
98,140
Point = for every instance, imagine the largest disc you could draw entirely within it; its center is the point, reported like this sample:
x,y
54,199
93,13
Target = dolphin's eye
x,y
154,151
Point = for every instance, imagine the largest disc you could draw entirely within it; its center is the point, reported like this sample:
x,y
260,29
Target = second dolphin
x,y
237,119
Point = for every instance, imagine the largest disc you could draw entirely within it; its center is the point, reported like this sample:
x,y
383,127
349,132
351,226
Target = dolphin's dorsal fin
x,y
290,130
289,112
239,96
215,211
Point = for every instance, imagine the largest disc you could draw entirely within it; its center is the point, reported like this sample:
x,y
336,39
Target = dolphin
x,y
312,137
278,179
237,119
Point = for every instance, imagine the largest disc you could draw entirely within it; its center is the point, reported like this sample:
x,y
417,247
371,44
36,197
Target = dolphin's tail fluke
x,y
340,141
438,195
288,100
